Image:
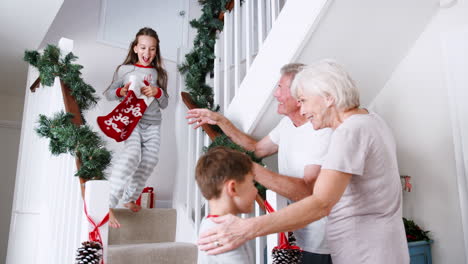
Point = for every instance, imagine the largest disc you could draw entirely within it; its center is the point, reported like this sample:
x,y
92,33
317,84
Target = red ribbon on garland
x,y
95,235
282,240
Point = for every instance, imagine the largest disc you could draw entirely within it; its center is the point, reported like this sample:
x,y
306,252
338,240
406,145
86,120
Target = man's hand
x,y
203,116
124,90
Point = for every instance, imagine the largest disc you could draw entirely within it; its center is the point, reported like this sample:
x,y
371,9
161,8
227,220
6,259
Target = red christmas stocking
x,y
119,123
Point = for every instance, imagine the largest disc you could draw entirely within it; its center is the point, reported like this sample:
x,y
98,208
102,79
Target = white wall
x,y
11,111
78,20
11,107
24,24
9,141
415,104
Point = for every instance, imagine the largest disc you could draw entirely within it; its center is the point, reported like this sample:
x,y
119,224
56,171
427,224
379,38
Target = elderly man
x,y
301,151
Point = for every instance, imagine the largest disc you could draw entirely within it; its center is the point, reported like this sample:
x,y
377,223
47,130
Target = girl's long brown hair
x,y
132,57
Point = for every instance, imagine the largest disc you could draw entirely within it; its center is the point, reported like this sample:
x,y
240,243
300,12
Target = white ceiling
x,y
24,23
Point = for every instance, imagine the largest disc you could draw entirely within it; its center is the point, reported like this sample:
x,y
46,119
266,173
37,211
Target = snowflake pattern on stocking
x,y
120,123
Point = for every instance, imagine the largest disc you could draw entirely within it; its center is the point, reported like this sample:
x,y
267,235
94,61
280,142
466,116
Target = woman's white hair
x,y
327,78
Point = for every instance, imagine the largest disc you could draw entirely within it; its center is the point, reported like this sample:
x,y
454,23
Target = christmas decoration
x,y
50,65
119,123
146,199
65,134
95,238
199,63
286,251
414,232
90,252
406,183
78,141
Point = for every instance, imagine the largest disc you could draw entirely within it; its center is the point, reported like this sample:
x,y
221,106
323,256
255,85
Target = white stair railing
x,y
47,217
245,29
45,224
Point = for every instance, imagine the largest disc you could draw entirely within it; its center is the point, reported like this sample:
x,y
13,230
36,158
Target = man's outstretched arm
x,y
262,148
292,188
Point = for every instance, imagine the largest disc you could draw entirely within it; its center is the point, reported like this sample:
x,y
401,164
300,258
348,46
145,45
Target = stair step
x,y
151,253
146,226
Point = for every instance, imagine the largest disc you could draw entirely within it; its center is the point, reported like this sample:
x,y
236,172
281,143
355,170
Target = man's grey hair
x,y
292,69
327,78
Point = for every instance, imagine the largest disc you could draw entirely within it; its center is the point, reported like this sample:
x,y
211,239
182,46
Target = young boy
x,y
226,180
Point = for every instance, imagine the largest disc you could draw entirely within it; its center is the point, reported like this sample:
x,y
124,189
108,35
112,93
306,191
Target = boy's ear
x,y
231,188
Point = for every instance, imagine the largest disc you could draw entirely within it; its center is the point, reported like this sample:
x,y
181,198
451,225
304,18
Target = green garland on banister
x,y
50,65
200,61
66,137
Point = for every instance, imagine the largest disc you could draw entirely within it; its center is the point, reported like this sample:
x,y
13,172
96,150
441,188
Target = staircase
x,y
147,237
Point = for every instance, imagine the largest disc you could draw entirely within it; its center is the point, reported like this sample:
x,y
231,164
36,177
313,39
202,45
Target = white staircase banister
x,y
294,24
97,205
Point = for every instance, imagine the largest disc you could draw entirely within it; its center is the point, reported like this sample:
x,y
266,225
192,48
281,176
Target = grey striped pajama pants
x,y
135,163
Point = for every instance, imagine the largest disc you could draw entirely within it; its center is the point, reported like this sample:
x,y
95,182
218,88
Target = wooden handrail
x,y
35,85
229,7
191,105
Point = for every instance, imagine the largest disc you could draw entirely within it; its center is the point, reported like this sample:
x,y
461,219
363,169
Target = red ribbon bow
x,y
95,235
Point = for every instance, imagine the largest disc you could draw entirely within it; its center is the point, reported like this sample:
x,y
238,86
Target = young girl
x,y
140,154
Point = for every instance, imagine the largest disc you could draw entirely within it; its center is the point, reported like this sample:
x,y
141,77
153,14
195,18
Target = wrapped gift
x,y
146,199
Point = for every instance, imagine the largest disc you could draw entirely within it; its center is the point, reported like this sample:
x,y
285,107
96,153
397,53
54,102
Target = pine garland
x,y
50,65
200,62
66,137
81,142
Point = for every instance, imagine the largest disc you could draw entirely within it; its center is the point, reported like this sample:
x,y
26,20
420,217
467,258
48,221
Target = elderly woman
x,y
358,187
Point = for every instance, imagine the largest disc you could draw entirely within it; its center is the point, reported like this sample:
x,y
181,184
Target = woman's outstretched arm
x,y
235,231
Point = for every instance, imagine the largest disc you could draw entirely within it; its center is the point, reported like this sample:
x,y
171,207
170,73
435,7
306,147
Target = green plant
x,y
414,232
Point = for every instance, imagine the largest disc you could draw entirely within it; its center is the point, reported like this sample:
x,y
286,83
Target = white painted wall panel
x,y
121,19
415,104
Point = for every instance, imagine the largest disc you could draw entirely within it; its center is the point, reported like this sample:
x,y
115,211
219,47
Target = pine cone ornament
x,y
287,252
89,253
289,256
291,239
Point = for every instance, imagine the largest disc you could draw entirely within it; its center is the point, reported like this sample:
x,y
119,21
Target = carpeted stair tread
x,y
145,226
152,253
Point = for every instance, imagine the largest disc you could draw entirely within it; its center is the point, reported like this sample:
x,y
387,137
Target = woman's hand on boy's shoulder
x,y
231,233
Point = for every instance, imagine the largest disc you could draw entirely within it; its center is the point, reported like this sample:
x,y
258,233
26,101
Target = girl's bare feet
x,y
112,220
132,206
